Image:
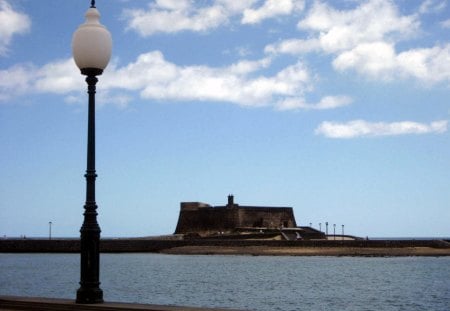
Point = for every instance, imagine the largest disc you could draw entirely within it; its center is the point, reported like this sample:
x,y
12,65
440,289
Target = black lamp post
x,y
334,231
49,230
91,47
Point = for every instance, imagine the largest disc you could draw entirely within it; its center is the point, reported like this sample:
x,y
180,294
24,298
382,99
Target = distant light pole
x,y
49,230
342,232
326,232
91,48
310,224
334,231
320,226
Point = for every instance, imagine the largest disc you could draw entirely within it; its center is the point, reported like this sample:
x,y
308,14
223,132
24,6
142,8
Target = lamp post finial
x,y
93,4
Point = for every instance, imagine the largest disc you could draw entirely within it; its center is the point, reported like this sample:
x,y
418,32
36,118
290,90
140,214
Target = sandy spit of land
x,y
309,251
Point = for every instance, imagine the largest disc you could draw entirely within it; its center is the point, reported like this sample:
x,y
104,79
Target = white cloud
x,y
111,97
293,46
432,6
380,60
176,5
327,102
271,8
445,24
376,59
337,31
240,83
342,30
366,43
16,77
11,23
361,128
173,16
170,16
153,77
236,7
59,77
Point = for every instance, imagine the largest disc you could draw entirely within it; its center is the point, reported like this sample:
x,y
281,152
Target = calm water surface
x,y
242,282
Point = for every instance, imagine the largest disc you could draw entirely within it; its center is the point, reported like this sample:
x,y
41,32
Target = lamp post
x,y
91,48
320,226
334,231
49,230
326,226
342,232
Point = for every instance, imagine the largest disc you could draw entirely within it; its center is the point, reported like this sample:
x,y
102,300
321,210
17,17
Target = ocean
x,y
242,282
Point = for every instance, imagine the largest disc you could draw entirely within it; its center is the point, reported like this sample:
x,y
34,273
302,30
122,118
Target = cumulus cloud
x,y
173,16
170,16
361,128
380,60
432,6
271,8
240,83
446,23
60,77
366,43
153,77
340,30
327,102
11,24
376,59
18,78
293,46
336,31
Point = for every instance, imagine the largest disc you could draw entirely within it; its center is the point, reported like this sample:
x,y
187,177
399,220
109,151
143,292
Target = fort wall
x,y
215,219
201,218
266,217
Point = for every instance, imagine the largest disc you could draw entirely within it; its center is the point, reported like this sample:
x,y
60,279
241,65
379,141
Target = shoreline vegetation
x,y
363,248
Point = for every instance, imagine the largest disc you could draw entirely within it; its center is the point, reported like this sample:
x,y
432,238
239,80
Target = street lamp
x,y
49,230
320,226
91,48
342,232
334,231
326,224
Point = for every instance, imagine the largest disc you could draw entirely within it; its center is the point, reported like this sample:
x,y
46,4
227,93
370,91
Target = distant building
x,y
202,219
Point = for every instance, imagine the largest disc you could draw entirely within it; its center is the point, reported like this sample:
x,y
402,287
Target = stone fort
x,y
204,219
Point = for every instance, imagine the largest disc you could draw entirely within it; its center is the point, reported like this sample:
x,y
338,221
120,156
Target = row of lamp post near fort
x,y
91,48
326,229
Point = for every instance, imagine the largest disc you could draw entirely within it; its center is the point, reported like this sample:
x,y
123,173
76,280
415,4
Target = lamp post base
x,y
89,295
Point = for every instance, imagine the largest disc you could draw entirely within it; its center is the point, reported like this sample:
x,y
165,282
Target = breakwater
x,y
162,245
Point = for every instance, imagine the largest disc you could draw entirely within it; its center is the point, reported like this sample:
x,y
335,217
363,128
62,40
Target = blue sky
x,y
339,109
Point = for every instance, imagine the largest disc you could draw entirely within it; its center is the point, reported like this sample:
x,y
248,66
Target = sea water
x,y
241,282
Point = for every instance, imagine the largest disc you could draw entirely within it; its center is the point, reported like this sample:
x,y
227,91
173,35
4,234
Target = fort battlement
x,y
193,206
